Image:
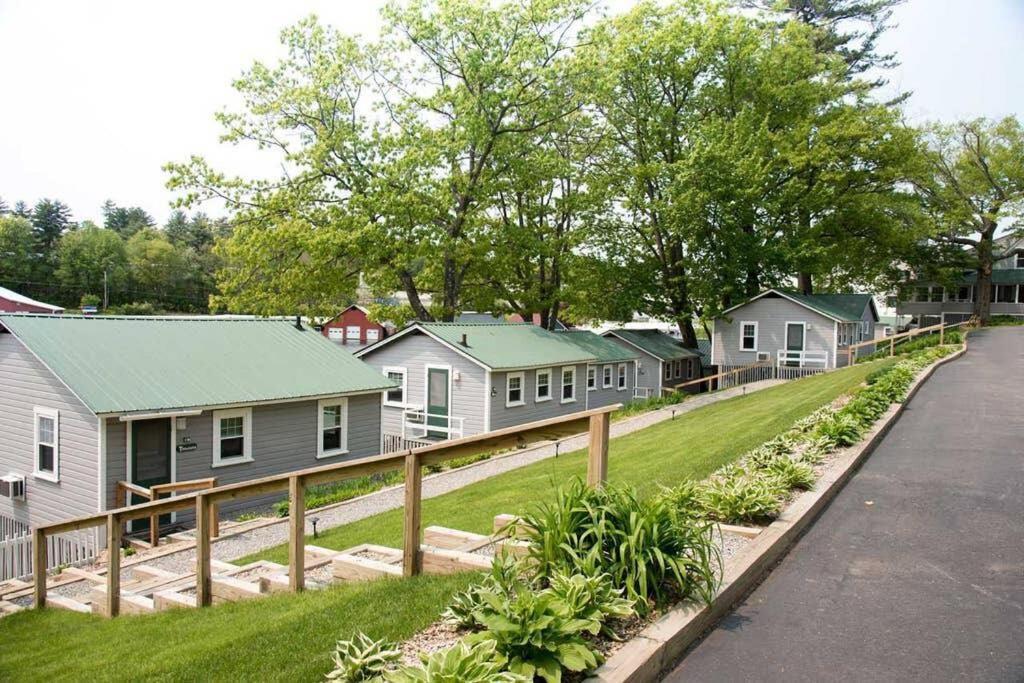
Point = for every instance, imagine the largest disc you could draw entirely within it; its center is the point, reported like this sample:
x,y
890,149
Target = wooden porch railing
x,y
124,489
720,376
412,461
941,328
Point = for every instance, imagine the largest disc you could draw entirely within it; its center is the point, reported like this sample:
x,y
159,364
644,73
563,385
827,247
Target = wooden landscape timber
x,y
206,500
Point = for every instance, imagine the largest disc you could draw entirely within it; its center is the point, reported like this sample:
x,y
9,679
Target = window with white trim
x,y
748,336
606,379
232,436
622,376
679,368
1006,294
514,389
47,444
591,378
543,390
568,384
396,397
332,427
668,370
1019,263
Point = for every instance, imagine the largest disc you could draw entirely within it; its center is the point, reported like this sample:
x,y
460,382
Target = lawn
x,y
291,636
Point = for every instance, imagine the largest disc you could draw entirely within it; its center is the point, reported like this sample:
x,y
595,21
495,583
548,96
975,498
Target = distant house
x,y
459,379
663,360
611,378
353,327
12,302
794,330
931,303
90,401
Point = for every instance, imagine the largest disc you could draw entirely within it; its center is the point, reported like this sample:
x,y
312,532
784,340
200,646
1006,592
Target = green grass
x,y
290,637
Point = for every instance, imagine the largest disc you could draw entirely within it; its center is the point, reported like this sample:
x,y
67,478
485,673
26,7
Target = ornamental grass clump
x,y
647,549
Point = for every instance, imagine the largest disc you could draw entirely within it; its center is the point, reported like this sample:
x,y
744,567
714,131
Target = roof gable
x,y
15,297
841,307
654,342
120,365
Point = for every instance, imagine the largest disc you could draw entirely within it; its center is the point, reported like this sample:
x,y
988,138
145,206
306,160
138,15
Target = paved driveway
x,y
916,570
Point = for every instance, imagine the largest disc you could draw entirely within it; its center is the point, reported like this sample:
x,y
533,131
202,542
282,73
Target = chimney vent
x,y
465,342
298,322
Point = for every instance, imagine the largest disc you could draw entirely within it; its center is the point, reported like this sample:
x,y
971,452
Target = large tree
x,y
397,146
17,249
972,186
90,260
50,218
125,220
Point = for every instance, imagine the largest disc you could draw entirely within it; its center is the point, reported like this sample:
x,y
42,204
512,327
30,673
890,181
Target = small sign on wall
x,y
184,447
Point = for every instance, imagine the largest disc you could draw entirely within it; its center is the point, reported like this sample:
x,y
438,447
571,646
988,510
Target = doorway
x,y
438,401
795,333
150,461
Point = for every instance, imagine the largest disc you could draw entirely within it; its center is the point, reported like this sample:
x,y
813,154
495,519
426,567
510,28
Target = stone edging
x,y
660,645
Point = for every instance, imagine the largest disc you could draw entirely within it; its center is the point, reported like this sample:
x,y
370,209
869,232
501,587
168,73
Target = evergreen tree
x,y
50,218
4,209
21,210
125,221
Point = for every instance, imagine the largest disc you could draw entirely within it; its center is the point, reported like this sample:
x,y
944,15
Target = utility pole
x,y
105,289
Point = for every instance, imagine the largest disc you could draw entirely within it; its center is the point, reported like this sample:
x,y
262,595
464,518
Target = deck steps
x,y
61,602
456,539
444,561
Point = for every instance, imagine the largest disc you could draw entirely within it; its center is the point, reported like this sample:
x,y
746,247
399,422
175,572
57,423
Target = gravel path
x,y
234,547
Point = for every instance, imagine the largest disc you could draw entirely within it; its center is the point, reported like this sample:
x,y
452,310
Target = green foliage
x,y
85,255
17,248
913,346
461,663
135,308
684,498
793,474
504,579
840,430
740,498
644,545
337,492
362,659
592,598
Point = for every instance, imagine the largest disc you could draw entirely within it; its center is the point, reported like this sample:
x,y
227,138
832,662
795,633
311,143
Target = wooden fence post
x,y
296,534
204,596
892,347
39,566
942,335
597,460
413,493
113,565
154,524
214,520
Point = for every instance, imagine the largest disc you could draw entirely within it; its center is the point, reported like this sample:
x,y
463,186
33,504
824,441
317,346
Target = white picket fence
x,y
67,549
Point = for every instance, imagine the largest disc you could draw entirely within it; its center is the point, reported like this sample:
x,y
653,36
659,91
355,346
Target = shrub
x,y
362,659
735,499
592,598
807,424
505,578
536,633
461,663
793,473
840,430
683,498
645,546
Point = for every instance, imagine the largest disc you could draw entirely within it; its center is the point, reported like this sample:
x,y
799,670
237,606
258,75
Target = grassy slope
x,y
290,637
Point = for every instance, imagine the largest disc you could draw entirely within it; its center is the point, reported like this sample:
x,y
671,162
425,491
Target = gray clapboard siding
x,y
26,383
414,352
649,368
771,314
502,416
600,396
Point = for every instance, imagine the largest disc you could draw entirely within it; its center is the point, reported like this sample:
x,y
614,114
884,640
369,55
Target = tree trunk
x,y
804,283
983,290
687,333
418,309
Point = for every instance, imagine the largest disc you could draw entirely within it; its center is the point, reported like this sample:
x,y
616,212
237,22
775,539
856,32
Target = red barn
x,y
352,327
12,302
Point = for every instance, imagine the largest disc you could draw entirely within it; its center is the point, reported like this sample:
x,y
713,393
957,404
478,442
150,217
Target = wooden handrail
x,y
941,328
701,380
206,499
156,491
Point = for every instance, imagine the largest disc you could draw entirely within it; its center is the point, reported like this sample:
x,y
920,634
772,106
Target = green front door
x,y
438,401
151,460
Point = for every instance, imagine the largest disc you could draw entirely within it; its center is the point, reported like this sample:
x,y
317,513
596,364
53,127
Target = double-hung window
x,y
568,384
332,423
748,336
679,368
606,376
668,369
622,376
543,392
1020,259
232,436
395,397
1006,294
47,444
591,378
514,389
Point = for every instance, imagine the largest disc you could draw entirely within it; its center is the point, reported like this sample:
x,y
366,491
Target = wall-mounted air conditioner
x,y
12,486
763,356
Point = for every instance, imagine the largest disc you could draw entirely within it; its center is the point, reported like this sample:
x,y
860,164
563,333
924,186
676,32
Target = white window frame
x,y
1019,260
522,389
537,398
668,369
52,414
743,324
591,378
341,401
621,377
606,377
562,384
405,385
246,415
677,368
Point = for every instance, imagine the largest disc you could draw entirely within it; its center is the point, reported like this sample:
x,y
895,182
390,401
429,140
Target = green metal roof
x,y
602,348
656,343
1000,276
500,346
124,364
846,307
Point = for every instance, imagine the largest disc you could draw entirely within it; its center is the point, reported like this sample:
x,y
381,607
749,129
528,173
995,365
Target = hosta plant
x,y
506,576
841,430
744,498
461,663
593,599
362,658
794,474
683,498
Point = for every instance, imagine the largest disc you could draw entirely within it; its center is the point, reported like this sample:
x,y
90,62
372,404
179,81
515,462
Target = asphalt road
x,y
915,572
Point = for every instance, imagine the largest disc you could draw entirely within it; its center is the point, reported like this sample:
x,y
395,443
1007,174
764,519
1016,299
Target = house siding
x,y
284,438
649,369
26,383
414,352
600,397
503,416
771,314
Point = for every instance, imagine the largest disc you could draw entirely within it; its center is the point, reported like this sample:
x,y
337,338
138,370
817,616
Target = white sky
x,y
98,95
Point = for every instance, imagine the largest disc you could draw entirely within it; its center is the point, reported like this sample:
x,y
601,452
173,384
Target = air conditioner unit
x,y
12,486
763,356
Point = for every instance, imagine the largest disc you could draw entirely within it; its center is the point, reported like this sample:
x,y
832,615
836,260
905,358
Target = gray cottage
x,y
90,401
611,378
460,379
789,329
663,362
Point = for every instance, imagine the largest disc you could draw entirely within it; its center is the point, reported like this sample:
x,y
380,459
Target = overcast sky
x,y
97,96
